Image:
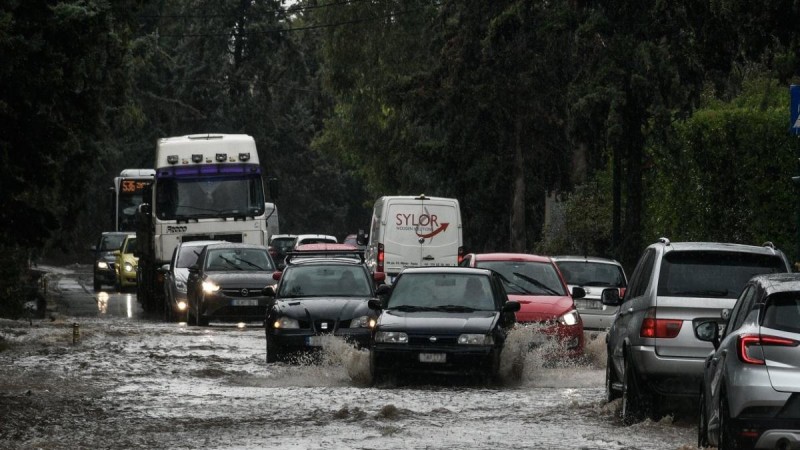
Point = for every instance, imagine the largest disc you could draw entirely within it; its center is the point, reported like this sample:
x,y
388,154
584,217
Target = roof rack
x,y
769,244
663,240
338,254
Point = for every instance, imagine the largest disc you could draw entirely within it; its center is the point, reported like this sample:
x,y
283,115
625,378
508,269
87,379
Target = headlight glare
x,y
476,339
391,337
102,265
210,287
128,267
570,318
286,323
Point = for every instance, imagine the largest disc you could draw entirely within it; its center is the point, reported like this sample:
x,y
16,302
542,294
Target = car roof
x,y
596,259
510,257
116,233
199,243
325,246
779,282
340,261
325,236
235,245
766,249
447,270
282,236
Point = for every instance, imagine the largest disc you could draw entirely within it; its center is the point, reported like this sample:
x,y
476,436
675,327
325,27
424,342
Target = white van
x,y
410,231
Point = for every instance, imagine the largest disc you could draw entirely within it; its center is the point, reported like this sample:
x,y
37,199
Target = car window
x,y
130,246
739,310
527,277
587,273
711,273
641,275
431,290
783,312
111,242
188,256
238,259
325,281
282,244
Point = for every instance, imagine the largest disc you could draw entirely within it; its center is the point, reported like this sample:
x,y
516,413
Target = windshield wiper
x,y
410,308
455,308
520,289
251,264
536,283
230,263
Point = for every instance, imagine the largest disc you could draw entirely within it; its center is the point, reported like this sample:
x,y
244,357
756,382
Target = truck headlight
x,y
570,318
476,339
286,323
210,287
391,337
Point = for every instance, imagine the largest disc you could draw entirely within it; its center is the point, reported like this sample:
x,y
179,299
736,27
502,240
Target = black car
x,y
448,320
318,297
105,258
227,283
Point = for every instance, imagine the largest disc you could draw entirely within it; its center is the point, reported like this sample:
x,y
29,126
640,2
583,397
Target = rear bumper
x,y
786,438
596,322
668,375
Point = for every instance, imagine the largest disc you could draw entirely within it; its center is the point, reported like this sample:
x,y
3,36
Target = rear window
x,y
325,281
712,274
586,273
783,312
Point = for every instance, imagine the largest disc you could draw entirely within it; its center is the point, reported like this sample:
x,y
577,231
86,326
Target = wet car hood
x,y
438,321
241,279
538,308
332,308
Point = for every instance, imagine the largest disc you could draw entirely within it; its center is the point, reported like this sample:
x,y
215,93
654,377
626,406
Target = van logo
x,y
432,338
433,233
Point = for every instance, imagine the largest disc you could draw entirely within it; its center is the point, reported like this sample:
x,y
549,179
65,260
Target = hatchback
x,y
593,274
750,396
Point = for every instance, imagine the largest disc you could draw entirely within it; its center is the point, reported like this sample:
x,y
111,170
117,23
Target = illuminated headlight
x,y
570,318
286,322
210,287
391,337
128,267
102,265
182,306
476,339
362,322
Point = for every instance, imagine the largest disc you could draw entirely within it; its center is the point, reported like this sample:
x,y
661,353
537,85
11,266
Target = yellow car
x,y
127,263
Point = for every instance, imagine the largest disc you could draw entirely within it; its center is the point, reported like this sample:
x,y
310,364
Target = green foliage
x,y
726,175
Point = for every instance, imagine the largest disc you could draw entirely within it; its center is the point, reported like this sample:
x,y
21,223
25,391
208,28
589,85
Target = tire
x,y
611,378
702,423
632,398
727,438
273,353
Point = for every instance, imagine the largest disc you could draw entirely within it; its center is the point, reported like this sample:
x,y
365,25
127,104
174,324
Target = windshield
x,y
111,242
325,281
712,274
238,259
427,291
283,245
527,277
126,211
130,246
187,257
217,196
587,273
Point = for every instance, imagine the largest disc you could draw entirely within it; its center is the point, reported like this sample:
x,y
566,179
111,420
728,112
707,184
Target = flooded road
x,y
135,382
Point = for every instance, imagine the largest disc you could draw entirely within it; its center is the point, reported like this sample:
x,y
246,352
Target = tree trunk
x,y
518,234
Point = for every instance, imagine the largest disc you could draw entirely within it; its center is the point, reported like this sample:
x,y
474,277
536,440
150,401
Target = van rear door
x,y
421,232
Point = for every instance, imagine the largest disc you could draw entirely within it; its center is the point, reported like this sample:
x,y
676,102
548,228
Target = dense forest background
x,y
590,127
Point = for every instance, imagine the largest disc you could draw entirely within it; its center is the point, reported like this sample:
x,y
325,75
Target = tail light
x,y
659,328
748,346
380,258
622,292
460,255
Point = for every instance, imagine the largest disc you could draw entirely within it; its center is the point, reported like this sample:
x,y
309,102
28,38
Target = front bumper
x,y
105,276
560,340
405,358
227,309
297,340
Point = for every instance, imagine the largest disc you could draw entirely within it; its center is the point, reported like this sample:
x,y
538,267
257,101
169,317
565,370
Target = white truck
x,y
206,187
409,231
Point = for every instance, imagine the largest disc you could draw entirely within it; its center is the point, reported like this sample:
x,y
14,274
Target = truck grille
x,y
211,237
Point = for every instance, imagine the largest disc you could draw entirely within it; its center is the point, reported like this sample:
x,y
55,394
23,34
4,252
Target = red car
x,y
537,284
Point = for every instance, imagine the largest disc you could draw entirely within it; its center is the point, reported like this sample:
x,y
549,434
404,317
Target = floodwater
x,y
134,382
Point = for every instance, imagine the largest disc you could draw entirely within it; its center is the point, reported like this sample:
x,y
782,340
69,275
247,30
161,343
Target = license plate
x,y
433,357
588,304
245,302
314,341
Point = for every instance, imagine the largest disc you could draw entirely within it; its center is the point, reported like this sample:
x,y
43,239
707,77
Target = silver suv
x,y
653,352
750,396
593,274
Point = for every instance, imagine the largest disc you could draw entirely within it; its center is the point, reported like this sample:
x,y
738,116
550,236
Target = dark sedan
x,y
448,320
317,298
227,283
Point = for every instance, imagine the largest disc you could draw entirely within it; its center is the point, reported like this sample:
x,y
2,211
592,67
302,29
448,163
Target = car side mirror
x,y
610,297
511,306
362,237
578,292
268,291
163,269
708,331
374,304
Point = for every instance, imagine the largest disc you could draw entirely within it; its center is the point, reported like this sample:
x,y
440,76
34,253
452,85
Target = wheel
x,y
611,379
632,398
702,423
727,438
273,353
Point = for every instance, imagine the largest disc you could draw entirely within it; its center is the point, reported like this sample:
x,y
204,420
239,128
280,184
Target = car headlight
x,y
476,339
128,267
570,318
182,305
286,322
391,337
210,287
102,265
362,322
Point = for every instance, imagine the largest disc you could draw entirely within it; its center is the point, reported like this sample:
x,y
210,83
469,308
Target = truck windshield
x,y
209,197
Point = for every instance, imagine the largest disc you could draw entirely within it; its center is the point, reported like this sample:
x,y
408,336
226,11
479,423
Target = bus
x,y
128,194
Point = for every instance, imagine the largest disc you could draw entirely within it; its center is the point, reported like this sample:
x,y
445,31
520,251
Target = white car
x,y
593,274
175,275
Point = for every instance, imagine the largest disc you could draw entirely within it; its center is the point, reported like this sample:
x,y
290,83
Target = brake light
x,y
659,328
746,346
621,292
380,258
460,255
